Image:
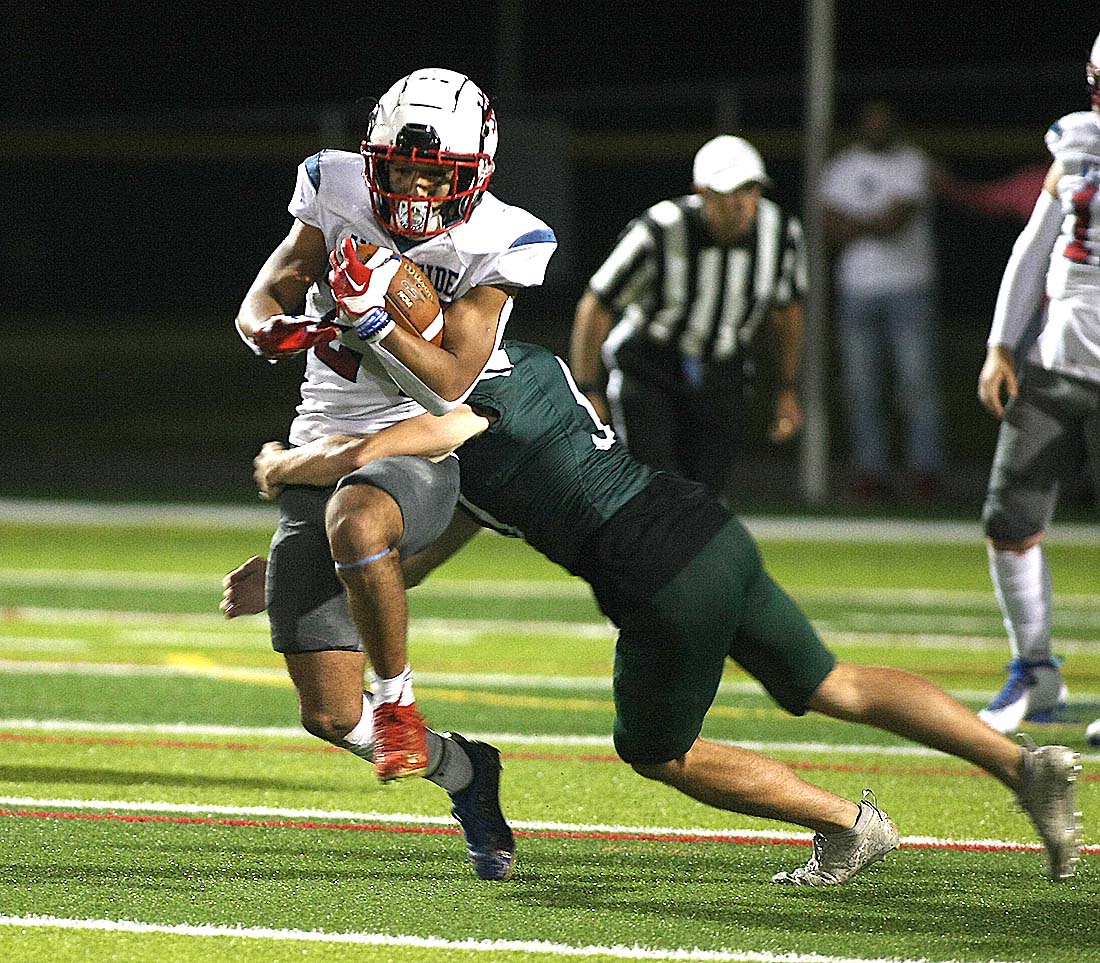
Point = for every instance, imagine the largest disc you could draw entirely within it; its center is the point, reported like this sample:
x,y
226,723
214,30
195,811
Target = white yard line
x,y
898,630
616,951
874,598
486,680
329,816
190,582
792,528
503,738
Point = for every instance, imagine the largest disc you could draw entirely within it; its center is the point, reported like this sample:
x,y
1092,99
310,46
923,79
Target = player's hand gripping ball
x,y
376,288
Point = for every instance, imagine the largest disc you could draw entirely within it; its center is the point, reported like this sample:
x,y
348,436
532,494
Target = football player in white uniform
x,y
1052,417
334,587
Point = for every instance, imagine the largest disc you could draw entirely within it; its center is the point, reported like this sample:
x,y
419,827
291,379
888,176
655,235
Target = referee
x,y
670,317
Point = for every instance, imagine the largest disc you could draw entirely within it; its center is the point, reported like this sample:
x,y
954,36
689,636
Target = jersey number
x,y
1077,250
340,359
604,437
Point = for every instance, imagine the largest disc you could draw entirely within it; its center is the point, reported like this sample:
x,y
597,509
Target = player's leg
x,y
1043,779
309,611
1037,445
668,663
364,526
910,706
778,646
335,708
390,506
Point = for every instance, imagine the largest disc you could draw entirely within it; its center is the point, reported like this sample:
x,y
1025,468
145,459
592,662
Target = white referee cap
x,y
727,163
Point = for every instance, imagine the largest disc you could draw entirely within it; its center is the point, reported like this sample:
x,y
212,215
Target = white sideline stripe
x,y
460,679
189,582
791,528
618,951
935,641
414,819
571,588
418,819
458,631
507,738
888,598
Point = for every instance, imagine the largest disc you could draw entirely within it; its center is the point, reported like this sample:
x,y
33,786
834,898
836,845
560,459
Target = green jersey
x,y
547,470
667,562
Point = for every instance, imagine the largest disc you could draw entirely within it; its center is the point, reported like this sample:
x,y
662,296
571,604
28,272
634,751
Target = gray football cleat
x,y
837,857
1048,794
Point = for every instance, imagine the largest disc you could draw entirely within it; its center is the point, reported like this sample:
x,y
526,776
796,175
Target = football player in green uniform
x,y
683,580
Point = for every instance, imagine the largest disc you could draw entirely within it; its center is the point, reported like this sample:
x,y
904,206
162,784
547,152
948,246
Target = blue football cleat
x,y
489,839
1033,692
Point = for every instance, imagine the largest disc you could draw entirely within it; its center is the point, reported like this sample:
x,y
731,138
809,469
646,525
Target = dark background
x,y
148,157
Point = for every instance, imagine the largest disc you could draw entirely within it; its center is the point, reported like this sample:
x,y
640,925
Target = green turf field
x,y
158,803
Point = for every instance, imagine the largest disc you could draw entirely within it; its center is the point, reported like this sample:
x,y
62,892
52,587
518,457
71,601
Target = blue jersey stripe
x,y
542,236
313,170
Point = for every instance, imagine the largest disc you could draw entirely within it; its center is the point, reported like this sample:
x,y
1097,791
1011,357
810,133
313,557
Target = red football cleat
x,y
400,742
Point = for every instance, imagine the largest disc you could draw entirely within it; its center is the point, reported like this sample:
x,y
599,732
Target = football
x,y
411,298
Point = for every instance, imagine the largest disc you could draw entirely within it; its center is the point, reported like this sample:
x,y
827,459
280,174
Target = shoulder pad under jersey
x,y
1076,133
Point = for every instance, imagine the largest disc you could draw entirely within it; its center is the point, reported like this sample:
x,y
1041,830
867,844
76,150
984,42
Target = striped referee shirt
x,y
670,282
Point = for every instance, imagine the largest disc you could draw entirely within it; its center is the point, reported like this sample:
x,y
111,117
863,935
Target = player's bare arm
x,y
470,327
327,460
787,324
267,320
997,381
281,284
591,326
243,589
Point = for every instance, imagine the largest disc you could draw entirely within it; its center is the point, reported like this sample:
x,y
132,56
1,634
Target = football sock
x,y
399,689
360,741
1023,586
448,764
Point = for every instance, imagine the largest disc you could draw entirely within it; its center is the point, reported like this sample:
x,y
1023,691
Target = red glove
x,y
358,287
284,335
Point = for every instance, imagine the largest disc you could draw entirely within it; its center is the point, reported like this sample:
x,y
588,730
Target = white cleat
x,y
837,857
1048,794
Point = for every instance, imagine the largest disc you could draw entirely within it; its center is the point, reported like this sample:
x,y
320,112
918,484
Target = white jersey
x,y
1070,339
863,184
345,393
1075,261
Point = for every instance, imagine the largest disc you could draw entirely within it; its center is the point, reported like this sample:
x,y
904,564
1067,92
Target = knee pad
x,y
1010,518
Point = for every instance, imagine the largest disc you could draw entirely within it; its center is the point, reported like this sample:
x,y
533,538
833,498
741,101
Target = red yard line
x,y
525,756
531,834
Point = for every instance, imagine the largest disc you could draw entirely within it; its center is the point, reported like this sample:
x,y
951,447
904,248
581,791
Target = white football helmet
x,y
439,124
1092,74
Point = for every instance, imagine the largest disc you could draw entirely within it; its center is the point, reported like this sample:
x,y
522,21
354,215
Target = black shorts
x,y
306,604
